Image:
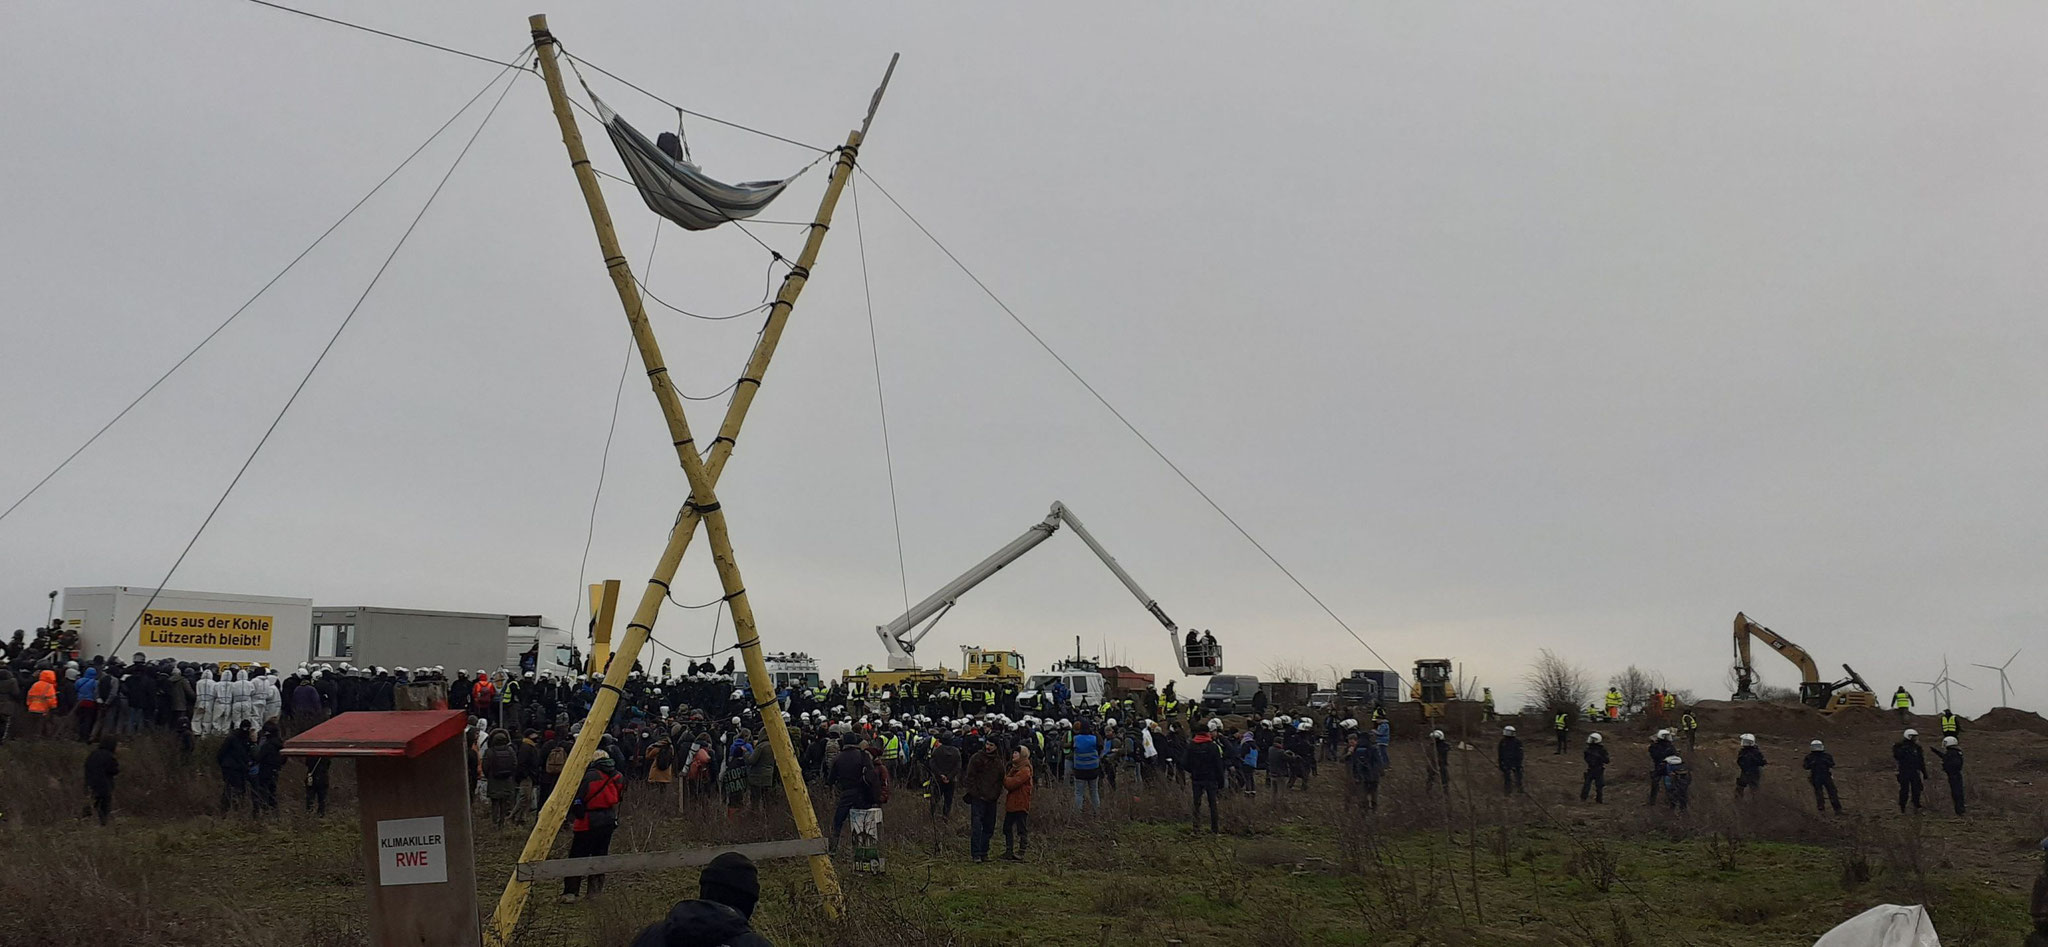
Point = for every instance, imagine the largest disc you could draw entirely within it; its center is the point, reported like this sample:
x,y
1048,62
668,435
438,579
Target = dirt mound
x,y
1755,716
2009,718
1862,717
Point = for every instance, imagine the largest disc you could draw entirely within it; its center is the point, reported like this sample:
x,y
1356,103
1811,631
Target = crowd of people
x,y
700,736
1672,777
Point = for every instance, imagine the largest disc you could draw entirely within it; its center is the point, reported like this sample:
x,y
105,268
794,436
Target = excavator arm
x,y
901,643
1745,672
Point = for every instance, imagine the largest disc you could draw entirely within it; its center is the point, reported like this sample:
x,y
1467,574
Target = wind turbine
x,y
2004,684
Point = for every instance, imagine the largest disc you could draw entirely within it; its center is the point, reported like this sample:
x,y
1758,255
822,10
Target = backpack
x,y
666,758
500,762
558,756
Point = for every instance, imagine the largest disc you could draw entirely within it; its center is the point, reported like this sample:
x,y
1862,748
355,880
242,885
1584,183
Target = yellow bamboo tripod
x,y
703,507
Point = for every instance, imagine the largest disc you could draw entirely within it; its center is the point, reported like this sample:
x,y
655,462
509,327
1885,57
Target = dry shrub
x,y
1595,863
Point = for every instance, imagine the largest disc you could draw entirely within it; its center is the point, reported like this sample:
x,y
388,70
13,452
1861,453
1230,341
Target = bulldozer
x,y
1432,686
1826,696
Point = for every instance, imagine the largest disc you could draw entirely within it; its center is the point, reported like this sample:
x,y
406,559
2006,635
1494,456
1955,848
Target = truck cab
x,y
533,645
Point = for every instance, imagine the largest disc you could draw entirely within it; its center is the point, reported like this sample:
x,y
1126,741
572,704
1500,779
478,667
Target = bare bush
x,y
1289,672
1557,685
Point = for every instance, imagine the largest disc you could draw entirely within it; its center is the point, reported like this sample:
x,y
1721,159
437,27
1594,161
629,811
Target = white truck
x,y
201,627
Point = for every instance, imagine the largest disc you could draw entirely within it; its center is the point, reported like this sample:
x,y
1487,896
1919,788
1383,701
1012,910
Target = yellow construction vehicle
x,y
1828,696
981,669
1432,687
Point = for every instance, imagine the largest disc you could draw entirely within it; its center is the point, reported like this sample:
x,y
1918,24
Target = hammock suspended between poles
x,y
677,189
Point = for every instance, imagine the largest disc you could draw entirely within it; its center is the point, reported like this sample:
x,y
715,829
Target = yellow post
x,y
604,612
703,475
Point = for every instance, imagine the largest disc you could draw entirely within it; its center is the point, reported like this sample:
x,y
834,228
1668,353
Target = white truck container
x,y
461,642
201,627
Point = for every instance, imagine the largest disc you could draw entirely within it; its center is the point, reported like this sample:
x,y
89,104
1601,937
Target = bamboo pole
x,y
704,476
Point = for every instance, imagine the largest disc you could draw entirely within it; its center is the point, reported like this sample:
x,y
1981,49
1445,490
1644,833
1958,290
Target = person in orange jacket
x,y
1017,803
42,703
483,698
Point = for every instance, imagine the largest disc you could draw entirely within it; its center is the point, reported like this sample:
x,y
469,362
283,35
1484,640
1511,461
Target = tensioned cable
x,y
512,70
709,118
482,58
259,293
1140,435
881,403
388,35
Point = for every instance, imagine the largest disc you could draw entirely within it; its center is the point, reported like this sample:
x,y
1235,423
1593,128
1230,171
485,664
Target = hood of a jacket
x,y
48,677
696,924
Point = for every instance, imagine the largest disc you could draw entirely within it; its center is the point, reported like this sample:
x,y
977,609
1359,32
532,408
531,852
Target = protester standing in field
x,y
100,769
1017,786
984,788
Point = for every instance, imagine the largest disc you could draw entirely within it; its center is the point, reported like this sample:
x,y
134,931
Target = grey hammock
x,y
677,189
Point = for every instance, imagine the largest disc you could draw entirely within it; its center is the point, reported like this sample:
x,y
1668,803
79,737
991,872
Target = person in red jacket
x,y
596,811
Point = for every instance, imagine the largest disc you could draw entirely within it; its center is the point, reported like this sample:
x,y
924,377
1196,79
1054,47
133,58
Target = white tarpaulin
x,y
1887,925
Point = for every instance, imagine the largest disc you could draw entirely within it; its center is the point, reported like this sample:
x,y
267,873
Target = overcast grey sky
x,y
1507,327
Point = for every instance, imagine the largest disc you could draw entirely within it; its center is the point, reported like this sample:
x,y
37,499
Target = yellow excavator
x,y
1828,696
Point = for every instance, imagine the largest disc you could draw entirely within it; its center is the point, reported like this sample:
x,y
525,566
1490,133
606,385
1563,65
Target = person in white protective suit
x,y
206,703
239,693
272,702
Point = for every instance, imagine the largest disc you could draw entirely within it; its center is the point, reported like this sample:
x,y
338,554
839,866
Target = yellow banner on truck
x,y
164,629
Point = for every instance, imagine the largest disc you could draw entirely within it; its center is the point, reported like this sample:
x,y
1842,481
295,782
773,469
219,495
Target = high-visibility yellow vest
x,y
1564,721
989,698
1613,698
1949,725
891,748
1687,722
1670,701
1902,700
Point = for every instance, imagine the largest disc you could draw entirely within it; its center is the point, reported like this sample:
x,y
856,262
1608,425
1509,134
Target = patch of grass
x,y
1312,868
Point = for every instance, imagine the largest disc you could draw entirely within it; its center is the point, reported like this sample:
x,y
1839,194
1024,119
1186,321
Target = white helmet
x,y
1948,741
1592,738
1749,739
1214,724
1111,722
1912,734
1351,723
1817,745
735,721
1303,726
1663,734
1507,731
1436,734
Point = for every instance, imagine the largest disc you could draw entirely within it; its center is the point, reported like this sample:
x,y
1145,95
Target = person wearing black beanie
x,y
719,917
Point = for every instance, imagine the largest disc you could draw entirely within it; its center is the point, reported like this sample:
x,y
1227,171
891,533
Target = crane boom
x,y
900,641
